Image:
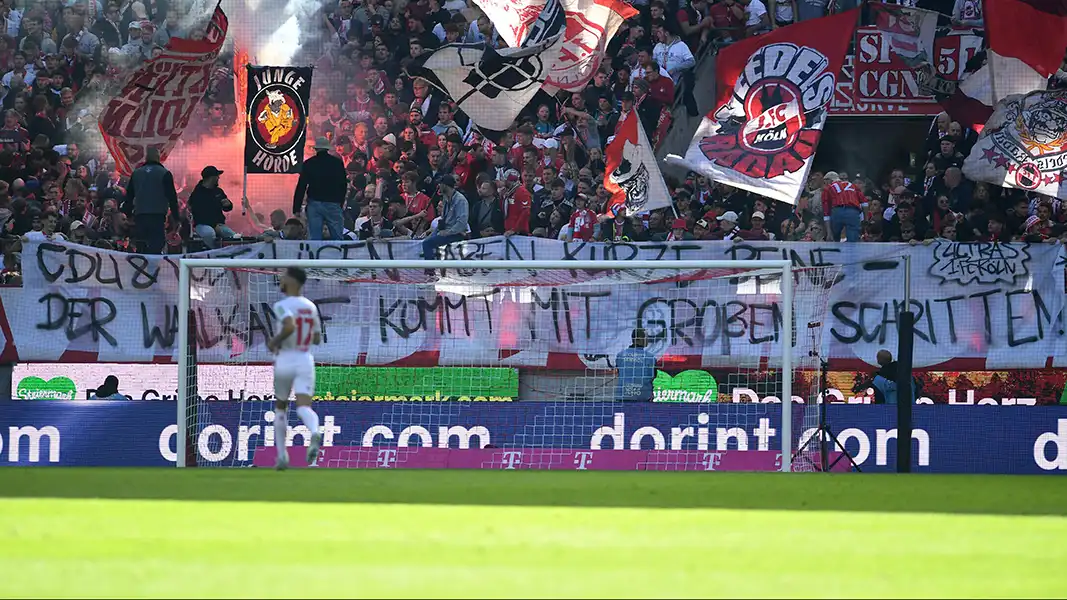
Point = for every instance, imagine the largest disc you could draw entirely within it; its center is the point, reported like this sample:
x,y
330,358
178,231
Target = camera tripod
x,y
824,434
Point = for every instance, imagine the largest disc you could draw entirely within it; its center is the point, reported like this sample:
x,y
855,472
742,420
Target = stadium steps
x,y
684,126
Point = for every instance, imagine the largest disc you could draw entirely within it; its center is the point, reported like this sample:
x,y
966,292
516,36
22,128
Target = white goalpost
x,y
513,364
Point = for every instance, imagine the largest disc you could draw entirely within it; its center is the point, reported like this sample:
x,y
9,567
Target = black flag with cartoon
x,y
277,109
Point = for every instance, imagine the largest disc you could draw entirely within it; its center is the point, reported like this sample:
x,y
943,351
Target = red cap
x,y
679,223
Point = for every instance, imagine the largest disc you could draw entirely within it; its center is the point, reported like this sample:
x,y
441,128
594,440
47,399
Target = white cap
x,y
729,215
551,143
831,176
759,215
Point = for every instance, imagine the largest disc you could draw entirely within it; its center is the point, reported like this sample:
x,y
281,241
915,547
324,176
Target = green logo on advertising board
x,y
56,388
687,386
412,384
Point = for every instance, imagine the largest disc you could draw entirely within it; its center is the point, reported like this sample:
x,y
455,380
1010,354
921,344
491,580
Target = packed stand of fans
x,y
416,168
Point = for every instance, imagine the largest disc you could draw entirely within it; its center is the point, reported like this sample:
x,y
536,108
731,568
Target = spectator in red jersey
x,y
728,19
844,204
583,219
660,88
517,202
523,140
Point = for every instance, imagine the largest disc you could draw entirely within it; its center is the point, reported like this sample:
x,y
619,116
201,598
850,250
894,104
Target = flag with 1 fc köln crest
x,y
774,96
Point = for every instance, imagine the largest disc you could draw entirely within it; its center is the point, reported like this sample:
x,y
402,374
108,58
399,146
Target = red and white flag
x,y
1027,40
630,170
157,102
572,60
774,96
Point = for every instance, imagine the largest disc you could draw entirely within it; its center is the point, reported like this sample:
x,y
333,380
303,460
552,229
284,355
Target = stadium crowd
x,y
402,143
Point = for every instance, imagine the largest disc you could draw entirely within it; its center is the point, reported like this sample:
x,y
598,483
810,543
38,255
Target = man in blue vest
x,y
636,368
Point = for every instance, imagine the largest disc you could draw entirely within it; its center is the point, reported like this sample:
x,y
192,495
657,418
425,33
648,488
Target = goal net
x,y
640,365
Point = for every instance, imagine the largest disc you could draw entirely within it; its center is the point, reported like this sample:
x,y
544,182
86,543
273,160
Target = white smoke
x,y
274,31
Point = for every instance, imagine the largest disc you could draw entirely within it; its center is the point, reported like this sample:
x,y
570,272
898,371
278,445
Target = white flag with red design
x,y
774,95
1024,145
630,170
574,58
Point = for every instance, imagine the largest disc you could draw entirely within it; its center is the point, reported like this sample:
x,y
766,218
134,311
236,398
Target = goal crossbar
x,y
783,267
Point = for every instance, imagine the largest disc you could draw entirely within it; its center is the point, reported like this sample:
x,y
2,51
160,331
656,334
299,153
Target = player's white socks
x,y
309,417
281,425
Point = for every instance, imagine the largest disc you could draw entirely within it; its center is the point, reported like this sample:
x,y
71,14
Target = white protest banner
x,y
978,306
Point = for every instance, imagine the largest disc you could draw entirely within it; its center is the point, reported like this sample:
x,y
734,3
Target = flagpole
x,y
244,165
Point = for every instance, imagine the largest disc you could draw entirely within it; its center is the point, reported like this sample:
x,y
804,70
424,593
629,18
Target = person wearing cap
x,y
454,221
135,48
207,205
79,233
702,230
679,231
149,195
843,205
324,181
757,231
728,229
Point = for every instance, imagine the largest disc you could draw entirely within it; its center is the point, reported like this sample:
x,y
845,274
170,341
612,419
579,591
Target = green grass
x,y
348,533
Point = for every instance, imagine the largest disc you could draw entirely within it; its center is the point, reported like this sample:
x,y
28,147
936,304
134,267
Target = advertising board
x,y
981,439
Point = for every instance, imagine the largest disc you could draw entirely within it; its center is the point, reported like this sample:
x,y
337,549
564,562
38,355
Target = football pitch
x,y
468,534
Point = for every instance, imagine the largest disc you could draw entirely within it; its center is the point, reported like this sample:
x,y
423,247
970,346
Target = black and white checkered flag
x,y
491,87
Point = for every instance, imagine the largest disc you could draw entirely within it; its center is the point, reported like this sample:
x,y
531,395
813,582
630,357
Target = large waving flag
x,y
1024,145
574,57
631,173
1027,40
774,94
491,87
158,100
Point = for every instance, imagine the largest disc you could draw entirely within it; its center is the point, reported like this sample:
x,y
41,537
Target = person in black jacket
x,y
325,181
648,108
150,193
207,204
487,215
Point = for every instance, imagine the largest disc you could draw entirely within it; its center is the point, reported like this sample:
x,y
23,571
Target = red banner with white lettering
x,y
157,102
774,93
875,80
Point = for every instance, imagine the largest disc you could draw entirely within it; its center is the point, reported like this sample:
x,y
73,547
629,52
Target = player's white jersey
x,y
305,317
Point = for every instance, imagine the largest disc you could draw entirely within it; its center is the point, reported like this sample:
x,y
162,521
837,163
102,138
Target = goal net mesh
x,y
416,364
